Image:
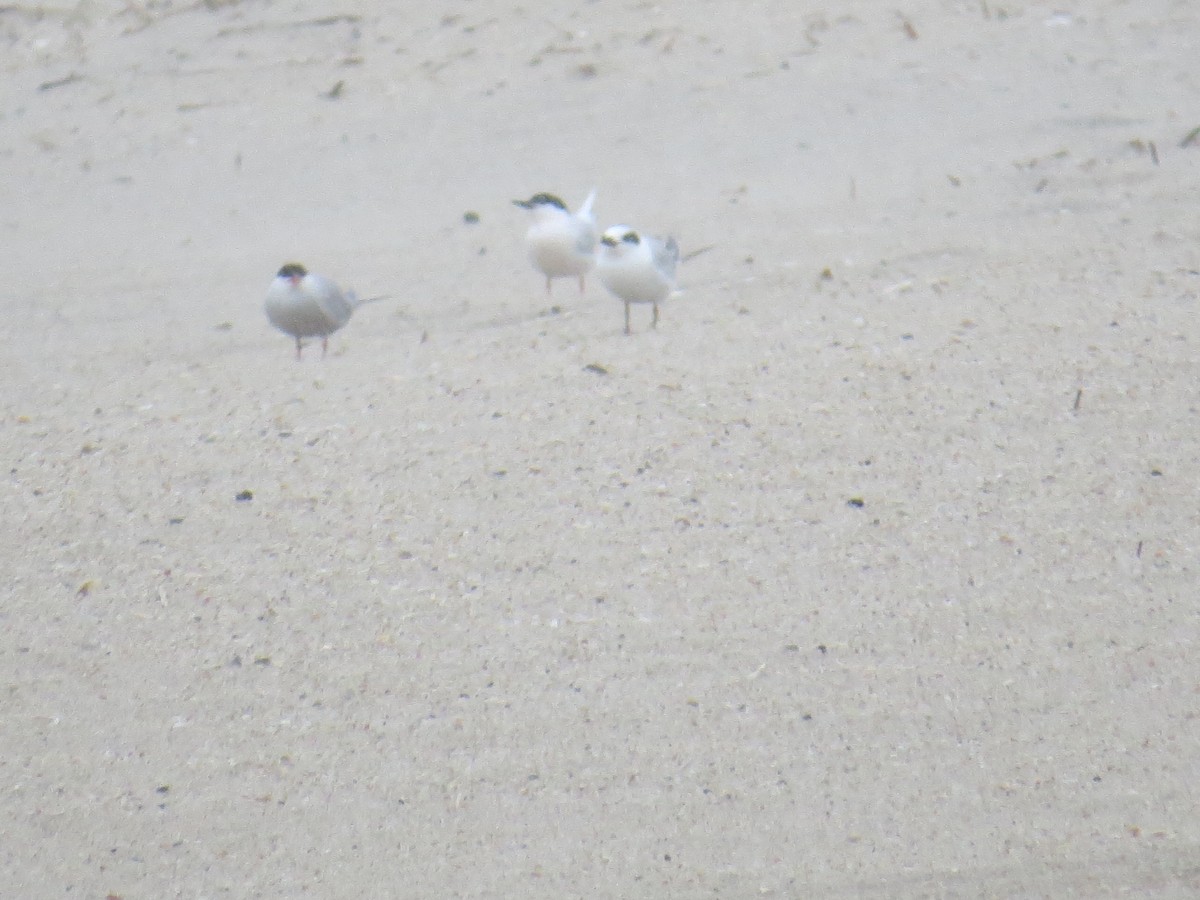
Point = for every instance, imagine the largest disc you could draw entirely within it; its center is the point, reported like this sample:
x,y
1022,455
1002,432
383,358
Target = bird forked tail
x,y
585,211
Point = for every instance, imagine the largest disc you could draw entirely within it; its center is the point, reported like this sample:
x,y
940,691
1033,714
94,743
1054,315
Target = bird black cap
x,y
541,200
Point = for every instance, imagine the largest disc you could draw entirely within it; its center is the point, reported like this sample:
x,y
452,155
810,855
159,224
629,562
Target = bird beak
x,y
524,204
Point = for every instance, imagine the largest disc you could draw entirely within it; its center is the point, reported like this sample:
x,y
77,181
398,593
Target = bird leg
x,y
627,329
324,346
654,320
547,285
581,284
299,347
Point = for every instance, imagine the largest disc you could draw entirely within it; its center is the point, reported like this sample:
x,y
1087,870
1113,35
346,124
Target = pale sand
x,y
871,572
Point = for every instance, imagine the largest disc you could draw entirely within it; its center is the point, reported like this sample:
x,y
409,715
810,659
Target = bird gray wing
x,y
585,236
665,255
334,306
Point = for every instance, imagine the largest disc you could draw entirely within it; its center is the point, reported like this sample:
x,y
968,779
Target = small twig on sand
x,y
59,82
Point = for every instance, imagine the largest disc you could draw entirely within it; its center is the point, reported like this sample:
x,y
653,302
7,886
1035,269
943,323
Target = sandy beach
x,y
871,572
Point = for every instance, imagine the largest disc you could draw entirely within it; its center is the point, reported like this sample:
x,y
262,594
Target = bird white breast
x,y
313,308
633,277
554,250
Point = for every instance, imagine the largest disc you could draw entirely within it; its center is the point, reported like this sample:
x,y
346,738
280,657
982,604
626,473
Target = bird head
x,y
293,272
620,237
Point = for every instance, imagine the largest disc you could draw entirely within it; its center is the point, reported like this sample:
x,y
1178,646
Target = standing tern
x,y
561,244
637,268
